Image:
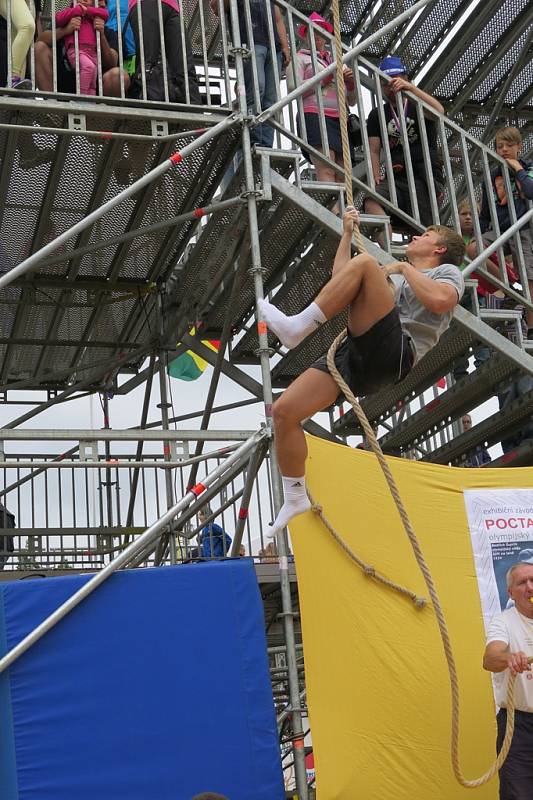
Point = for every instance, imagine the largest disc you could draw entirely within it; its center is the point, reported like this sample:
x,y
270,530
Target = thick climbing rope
x,y
375,446
368,569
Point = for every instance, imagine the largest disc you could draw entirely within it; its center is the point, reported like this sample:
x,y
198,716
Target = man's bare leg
x,y
315,390
43,67
340,292
111,82
311,392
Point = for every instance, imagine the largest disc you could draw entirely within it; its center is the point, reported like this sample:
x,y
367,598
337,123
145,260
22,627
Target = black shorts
x,y
380,357
314,137
404,198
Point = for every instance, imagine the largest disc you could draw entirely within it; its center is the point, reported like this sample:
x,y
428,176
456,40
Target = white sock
x,y
292,330
296,502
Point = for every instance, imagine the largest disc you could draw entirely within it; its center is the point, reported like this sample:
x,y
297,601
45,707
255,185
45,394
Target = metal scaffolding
x,y
133,230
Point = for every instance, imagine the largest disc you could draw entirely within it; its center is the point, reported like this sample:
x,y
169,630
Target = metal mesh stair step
x,y
491,431
464,395
203,279
62,178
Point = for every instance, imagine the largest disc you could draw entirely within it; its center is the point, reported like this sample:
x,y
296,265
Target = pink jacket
x,y
86,33
305,70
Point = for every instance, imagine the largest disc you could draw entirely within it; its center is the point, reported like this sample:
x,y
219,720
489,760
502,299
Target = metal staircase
x,y
196,248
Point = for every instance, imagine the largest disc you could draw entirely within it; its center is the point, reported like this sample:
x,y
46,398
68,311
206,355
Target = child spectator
x,y
24,25
508,144
88,14
487,293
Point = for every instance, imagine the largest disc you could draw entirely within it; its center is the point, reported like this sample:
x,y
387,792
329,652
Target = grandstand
x,y
180,223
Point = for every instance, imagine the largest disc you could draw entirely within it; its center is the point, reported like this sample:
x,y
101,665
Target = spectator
x,y
506,653
128,39
66,76
262,135
480,456
305,69
242,551
24,25
91,20
396,71
213,540
487,294
7,545
508,145
178,70
268,554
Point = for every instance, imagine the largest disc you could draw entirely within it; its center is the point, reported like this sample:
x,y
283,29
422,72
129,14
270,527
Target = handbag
x,y
354,131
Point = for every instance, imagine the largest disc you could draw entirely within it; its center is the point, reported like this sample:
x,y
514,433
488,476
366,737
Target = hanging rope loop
x,y
376,449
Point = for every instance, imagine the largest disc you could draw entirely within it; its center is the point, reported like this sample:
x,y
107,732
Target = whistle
x,y
531,599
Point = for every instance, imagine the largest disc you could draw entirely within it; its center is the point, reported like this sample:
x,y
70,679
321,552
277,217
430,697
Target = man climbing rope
x,y
509,647
386,335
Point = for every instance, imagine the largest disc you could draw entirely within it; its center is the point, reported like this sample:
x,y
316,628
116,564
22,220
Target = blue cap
x,y
392,65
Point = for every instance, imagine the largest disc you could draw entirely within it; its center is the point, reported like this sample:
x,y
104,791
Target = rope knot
x,y
369,570
316,508
420,602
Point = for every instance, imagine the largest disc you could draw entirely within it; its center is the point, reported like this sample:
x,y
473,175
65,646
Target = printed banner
x,y
501,530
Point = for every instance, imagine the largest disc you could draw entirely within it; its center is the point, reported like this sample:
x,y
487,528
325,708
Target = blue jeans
x,y
262,134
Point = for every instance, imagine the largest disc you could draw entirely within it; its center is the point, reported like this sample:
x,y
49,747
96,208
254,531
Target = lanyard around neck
x,y
395,115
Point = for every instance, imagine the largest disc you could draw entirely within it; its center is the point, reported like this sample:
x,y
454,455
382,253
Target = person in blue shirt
x,y
213,540
128,39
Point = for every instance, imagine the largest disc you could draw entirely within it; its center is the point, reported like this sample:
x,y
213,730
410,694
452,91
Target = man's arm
x,y
436,296
214,6
64,17
282,33
403,85
526,182
73,25
344,250
498,658
109,56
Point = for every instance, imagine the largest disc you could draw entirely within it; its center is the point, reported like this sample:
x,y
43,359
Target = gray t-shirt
x,y
424,326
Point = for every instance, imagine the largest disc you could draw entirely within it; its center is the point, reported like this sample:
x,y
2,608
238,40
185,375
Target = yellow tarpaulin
x,y
377,682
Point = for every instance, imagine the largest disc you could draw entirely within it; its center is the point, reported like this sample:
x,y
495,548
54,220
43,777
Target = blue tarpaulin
x,y
156,687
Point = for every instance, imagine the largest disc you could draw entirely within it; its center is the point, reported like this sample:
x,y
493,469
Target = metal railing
x,y
81,512
450,164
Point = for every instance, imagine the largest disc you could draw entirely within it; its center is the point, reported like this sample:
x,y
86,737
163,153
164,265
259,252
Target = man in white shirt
x,y
509,648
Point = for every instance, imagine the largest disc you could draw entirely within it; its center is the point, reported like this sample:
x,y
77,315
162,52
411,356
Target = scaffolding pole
x,y
256,271
140,445
164,406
